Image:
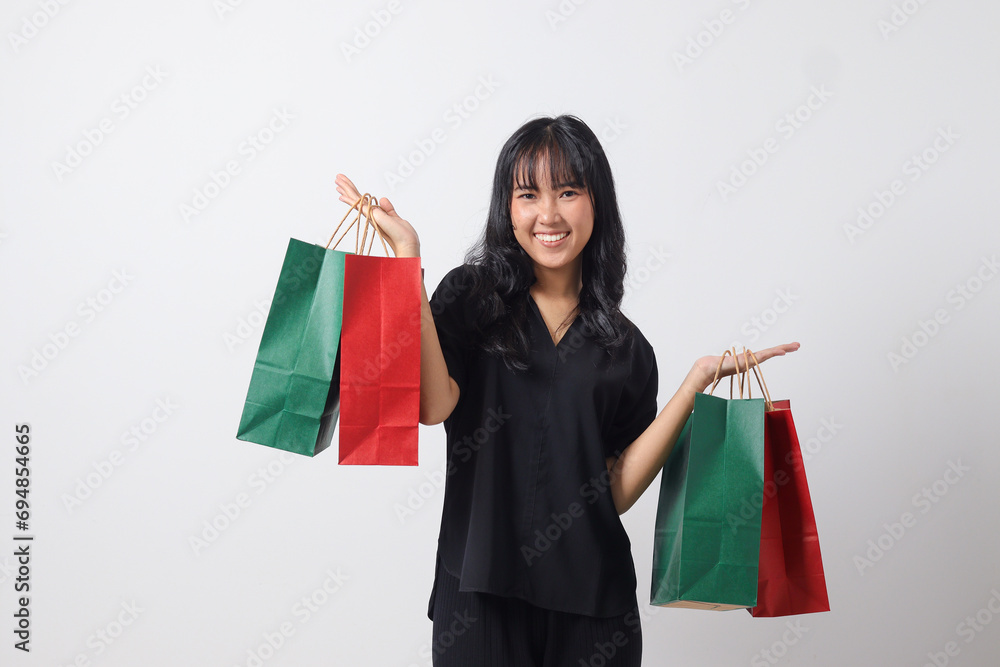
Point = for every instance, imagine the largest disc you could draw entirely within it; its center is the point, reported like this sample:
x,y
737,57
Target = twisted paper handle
x,y
369,200
768,405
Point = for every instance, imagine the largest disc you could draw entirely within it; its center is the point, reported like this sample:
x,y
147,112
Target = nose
x,y
548,210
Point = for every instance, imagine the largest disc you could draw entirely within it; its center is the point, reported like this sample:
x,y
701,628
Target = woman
x,y
548,397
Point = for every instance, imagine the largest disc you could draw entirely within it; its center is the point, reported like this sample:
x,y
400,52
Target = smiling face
x,y
552,221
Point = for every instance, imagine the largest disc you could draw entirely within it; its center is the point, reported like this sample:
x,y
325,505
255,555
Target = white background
x,y
674,131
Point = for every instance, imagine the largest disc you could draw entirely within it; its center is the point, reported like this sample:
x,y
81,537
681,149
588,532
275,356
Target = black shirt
x,y
527,508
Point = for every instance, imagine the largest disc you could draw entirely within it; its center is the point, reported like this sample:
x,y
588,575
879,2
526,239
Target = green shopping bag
x,y
707,541
293,401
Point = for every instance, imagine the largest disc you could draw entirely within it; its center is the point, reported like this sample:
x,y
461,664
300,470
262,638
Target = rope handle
x,y
718,368
768,405
365,199
716,381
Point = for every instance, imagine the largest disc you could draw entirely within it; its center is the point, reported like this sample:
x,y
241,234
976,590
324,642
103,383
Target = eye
x,y
526,194
570,192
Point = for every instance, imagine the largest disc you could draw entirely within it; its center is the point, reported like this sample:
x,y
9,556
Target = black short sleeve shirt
x,y
528,512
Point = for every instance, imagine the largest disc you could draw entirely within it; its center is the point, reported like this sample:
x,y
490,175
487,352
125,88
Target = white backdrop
x,y
806,170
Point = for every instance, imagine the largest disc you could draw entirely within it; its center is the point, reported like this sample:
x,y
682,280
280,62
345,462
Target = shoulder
x,y
638,345
454,286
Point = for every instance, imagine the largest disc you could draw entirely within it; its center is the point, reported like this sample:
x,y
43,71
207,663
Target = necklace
x,y
553,332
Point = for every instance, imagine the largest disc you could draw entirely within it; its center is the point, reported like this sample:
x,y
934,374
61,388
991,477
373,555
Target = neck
x,y
563,283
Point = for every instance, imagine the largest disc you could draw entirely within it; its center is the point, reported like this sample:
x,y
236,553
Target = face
x,y
552,222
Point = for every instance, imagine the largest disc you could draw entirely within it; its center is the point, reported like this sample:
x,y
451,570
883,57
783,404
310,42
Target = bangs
x,y
565,165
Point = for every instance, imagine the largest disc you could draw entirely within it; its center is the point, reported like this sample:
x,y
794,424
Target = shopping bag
x,y
380,360
293,399
707,539
292,402
791,578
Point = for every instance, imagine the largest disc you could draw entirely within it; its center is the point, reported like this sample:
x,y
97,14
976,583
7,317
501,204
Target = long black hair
x,y
503,271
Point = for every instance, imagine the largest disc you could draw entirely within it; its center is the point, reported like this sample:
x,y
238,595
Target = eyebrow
x,y
570,184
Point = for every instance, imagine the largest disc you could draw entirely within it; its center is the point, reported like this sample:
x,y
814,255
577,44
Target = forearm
x,y
637,467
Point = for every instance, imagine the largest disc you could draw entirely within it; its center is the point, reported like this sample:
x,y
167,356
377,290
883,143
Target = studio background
x,y
787,171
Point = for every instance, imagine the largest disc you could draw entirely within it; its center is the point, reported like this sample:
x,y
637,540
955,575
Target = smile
x,y
551,240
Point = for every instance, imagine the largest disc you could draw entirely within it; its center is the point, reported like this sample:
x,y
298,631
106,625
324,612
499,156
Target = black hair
x,y
502,271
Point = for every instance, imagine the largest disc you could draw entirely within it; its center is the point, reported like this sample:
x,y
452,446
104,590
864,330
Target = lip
x,y
553,244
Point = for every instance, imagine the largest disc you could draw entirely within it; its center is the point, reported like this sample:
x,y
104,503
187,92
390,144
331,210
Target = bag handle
x,y
370,221
716,380
718,368
768,405
365,199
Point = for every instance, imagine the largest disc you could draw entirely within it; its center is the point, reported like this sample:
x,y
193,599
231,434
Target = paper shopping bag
x,y
293,399
791,578
707,541
707,544
380,361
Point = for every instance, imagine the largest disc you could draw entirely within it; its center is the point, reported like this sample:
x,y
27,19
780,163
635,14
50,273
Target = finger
x,y
387,206
348,192
776,351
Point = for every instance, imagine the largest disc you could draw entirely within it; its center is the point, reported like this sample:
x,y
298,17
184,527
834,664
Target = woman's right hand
x,y
398,233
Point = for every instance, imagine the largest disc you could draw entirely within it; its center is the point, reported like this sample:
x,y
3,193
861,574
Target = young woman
x,y
548,397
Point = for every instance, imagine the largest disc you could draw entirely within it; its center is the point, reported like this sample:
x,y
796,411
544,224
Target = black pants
x,y
484,630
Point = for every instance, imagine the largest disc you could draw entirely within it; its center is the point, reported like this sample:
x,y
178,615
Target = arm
x,y
438,391
640,463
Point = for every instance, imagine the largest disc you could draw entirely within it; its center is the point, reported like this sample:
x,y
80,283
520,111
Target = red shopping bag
x,y
380,361
790,570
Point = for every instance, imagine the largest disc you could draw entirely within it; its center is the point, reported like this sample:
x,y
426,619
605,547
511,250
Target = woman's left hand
x,y
703,373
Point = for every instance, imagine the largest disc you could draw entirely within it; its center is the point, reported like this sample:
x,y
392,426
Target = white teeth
x,y
551,237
